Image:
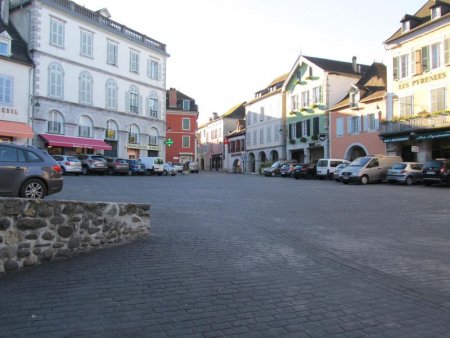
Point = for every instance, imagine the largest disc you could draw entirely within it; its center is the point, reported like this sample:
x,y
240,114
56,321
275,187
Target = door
x,y
12,170
373,170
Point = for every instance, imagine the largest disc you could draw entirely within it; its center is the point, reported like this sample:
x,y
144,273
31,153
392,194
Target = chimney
x,y
172,98
215,116
354,66
4,11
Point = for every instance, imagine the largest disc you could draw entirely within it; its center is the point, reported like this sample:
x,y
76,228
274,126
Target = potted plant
x,y
314,137
303,139
292,141
304,109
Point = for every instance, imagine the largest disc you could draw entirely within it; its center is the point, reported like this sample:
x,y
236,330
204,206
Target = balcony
x,y
432,121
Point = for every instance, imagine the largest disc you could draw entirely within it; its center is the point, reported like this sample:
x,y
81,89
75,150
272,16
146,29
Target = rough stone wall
x,y
33,231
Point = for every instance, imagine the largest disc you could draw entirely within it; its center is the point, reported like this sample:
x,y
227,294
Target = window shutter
x,y
425,59
418,62
360,123
366,123
395,68
308,128
298,129
349,125
127,101
447,51
377,121
290,131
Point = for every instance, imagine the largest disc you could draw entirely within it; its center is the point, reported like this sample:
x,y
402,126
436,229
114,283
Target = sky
x,y
223,51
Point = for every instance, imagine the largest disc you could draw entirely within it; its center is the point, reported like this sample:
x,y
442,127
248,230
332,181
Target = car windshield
x,y
159,161
360,162
98,158
399,166
275,165
121,160
73,159
433,164
341,166
322,163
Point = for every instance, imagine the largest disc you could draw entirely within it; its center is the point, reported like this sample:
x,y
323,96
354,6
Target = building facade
x,y
15,90
100,85
313,86
235,149
182,115
264,126
354,122
418,117
211,136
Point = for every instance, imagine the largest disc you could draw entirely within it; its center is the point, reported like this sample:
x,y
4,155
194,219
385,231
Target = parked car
x,y
117,165
436,171
274,169
178,168
405,172
169,170
327,166
28,172
305,170
68,163
135,167
192,166
153,165
287,169
337,171
92,164
367,169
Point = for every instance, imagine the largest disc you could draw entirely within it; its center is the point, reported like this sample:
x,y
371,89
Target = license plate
x,y
345,177
430,172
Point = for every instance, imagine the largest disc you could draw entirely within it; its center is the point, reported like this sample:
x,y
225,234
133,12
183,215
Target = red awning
x,y
15,129
75,142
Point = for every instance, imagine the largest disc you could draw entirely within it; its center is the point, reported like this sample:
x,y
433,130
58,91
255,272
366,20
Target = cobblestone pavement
x,y
251,256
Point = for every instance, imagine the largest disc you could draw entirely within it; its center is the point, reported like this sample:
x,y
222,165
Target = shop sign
x,y
422,80
9,110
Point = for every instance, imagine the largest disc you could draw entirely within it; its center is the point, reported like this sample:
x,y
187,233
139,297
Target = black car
x,y
305,170
274,169
436,171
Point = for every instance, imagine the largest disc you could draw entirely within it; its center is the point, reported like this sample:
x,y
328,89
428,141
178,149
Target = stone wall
x,y
33,231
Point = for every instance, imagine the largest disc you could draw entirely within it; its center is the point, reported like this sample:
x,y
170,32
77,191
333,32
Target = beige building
x,y
418,117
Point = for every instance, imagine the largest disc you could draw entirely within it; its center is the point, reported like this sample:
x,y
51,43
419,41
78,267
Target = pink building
x,y
355,121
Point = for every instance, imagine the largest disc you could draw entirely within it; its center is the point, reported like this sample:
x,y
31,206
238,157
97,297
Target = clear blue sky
x,y
223,51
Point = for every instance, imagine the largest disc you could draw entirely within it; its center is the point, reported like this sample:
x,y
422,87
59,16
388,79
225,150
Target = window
x,y
56,32
6,90
255,117
153,69
254,138
435,13
153,105
133,135
249,118
261,115
133,100
305,128
425,54
269,135
55,123
339,126
371,122
353,124
111,130
438,100
186,141
86,127
435,55
405,26
55,80
85,89
404,66
261,136
186,105
305,98
112,53
186,124
277,132
4,48
111,94
317,95
447,51
406,106
86,40
134,61
5,44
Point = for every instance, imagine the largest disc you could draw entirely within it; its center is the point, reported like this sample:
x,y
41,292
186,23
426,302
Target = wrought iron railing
x,y
415,123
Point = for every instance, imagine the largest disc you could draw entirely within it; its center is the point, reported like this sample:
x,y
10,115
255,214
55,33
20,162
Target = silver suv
x,y
92,164
28,172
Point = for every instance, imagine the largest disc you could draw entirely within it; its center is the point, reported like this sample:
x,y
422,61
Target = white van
x,y
153,165
372,168
327,166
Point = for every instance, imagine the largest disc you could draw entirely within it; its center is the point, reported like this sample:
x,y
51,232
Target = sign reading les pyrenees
x,y
422,80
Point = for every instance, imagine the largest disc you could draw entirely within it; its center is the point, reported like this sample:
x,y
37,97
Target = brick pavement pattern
x,y
248,256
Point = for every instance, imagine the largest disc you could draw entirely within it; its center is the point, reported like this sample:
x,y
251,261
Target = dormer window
x,y
406,26
354,98
435,12
5,44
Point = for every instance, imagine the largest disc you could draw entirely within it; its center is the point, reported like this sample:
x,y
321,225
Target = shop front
x,y
16,132
71,145
134,150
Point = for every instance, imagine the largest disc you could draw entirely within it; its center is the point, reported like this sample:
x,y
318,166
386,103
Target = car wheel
x,y
84,170
364,180
110,171
34,189
63,170
409,180
130,172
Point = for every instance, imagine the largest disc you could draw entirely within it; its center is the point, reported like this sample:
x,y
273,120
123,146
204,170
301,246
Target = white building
x,y
100,85
264,127
235,149
15,70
